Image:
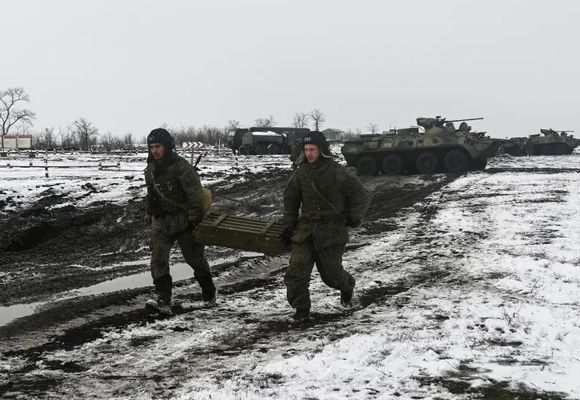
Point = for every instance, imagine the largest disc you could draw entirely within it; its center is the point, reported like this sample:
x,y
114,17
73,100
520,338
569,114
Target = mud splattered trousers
x,y
320,244
162,240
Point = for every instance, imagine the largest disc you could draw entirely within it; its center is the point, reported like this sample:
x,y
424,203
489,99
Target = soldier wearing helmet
x,y
174,208
322,200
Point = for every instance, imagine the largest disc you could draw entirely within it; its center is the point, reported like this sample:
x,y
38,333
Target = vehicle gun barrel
x,y
461,120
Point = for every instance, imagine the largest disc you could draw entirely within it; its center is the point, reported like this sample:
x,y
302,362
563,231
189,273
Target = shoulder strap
x,y
160,193
324,198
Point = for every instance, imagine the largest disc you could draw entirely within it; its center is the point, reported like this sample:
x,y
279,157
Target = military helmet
x,y
317,138
162,136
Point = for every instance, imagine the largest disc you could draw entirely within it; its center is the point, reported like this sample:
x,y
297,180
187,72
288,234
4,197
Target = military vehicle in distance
x,y
547,142
438,147
515,146
266,140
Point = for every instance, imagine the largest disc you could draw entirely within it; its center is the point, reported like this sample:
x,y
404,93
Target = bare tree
x,y
85,131
11,112
265,122
106,141
317,117
300,120
128,141
373,128
232,125
46,139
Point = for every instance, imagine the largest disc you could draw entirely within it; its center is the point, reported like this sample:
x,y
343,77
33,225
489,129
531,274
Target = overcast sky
x,y
132,65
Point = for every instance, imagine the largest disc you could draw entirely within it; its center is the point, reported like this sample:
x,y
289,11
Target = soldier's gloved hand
x,y
193,220
286,235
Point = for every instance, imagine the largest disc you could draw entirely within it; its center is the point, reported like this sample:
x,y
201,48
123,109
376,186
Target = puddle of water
x,y
179,272
8,314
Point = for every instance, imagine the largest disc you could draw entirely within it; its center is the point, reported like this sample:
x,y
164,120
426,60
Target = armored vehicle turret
x,y
435,146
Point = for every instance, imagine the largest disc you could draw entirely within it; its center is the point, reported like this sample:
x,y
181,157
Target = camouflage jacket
x,y
324,192
174,191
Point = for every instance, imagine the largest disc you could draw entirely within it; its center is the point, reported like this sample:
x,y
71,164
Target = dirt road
x,y
433,275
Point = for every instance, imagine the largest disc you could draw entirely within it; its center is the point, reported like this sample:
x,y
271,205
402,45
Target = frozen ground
x,y
84,179
467,287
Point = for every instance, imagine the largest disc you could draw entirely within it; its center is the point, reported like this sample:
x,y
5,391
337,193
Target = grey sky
x,y
132,65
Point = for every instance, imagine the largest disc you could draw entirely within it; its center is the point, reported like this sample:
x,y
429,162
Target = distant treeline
x,y
82,135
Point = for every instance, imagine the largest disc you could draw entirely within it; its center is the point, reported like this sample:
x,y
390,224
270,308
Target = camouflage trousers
x,y
306,252
193,252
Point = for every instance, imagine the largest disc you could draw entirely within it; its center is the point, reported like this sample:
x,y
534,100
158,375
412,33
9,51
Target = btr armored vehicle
x,y
434,146
547,142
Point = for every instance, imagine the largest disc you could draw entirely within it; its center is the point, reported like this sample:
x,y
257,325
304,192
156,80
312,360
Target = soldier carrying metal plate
x,y
174,207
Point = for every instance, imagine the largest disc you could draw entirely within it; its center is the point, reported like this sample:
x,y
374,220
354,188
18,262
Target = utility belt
x,y
322,217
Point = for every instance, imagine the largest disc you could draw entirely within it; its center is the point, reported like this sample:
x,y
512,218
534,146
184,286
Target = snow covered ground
x,y
493,267
474,294
82,179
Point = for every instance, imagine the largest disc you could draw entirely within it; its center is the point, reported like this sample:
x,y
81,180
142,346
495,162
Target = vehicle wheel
x,y
273,149
393,164
478,165
456,161
426,163
262,148
366,166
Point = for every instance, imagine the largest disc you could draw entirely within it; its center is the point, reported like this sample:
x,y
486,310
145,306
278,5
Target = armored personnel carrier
x,y
550,142
547,142
435,146
515,146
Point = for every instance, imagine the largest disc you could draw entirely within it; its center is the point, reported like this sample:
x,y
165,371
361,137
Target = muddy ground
x,y
47,252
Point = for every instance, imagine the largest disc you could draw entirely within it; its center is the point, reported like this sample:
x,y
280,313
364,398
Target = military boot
x,y
347,295
301,315
162,303
208,290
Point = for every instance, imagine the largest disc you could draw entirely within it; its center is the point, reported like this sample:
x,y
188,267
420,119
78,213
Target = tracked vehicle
x,y
434,146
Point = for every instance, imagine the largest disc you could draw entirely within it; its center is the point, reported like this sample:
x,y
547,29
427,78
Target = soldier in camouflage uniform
x,y
174,208
330,199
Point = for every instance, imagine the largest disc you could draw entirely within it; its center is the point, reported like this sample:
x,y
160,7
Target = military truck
x,y
266,140
434,146
547,142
